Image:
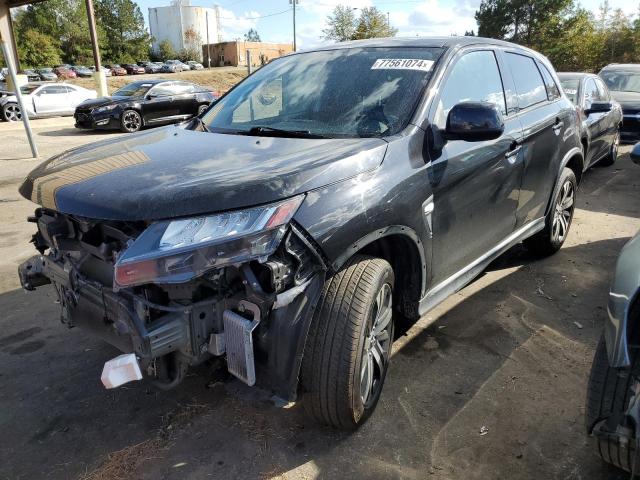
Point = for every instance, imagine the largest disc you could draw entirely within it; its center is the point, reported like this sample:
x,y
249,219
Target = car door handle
x,y
514,149
558,125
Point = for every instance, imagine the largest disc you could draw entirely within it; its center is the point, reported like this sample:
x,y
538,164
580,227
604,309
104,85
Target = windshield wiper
x,y
281,132
202,124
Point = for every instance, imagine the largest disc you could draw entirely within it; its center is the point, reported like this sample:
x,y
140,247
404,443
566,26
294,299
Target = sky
x,y
410,17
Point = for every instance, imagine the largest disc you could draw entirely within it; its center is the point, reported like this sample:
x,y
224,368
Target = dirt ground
x,y
511,353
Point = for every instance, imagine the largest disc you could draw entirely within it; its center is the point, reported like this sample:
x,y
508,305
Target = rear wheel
x,y
202,109
130,121
11,112
611,158
347,353
608,397
558,220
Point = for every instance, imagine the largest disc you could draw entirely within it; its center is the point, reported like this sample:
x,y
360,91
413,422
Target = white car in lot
x,y
44,100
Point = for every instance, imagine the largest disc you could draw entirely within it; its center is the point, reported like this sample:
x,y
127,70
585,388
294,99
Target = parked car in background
x,y
64,72
32,75
82,71
107,71
133,69
285,229
153,67
4,73
193,65
600,115
43,100
143,64
623,81
173,66
46,74
144,104
612,412
116,70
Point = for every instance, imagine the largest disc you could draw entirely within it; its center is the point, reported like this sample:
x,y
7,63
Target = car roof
x,y
625,67
434,42
568,75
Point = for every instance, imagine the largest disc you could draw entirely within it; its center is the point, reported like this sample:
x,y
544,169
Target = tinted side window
x,y
163,90
552,89
52,90
474,78
591,93
526,76
604,91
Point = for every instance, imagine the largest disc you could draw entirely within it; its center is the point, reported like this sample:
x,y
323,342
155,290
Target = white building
x,y
184,25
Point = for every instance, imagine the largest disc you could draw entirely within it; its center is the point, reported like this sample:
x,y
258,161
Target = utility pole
x,y
388,22
208,43
293,2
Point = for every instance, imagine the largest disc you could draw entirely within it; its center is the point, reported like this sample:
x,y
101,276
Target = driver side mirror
x,y
598,107
151,96
635,154
474,122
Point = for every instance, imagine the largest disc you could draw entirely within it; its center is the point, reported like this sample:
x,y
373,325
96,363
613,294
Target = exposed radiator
x,y
238,341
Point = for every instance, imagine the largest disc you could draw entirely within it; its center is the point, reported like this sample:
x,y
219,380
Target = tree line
x,y
57,31
573,38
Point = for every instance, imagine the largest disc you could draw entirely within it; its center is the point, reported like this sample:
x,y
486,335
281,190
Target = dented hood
x,y
170,172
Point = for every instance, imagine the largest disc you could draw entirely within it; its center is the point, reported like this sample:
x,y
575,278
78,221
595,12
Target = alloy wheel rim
x,y
563,212
131,121
12,113
377,345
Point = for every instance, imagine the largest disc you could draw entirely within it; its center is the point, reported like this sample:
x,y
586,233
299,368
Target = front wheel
x,y
131,121
202,109
11,112
349,344
558,220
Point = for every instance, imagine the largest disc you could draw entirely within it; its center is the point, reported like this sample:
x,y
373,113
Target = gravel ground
x,y
509,354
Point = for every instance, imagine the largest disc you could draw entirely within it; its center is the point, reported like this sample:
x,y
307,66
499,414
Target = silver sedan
x,y
44,100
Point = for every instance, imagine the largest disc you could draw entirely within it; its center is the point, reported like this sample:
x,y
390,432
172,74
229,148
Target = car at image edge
x,y
287,228
623,80
144,104
600,115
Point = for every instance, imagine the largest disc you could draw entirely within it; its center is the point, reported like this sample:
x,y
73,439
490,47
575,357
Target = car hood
x,y
171,172
101,101
628,100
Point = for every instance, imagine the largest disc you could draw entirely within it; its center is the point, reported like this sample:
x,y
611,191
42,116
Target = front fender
x,y
624,292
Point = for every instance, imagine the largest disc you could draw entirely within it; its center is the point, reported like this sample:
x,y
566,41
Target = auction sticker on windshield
x,y
402,64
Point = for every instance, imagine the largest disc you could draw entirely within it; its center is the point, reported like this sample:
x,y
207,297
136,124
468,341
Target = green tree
x,y
38,50
252,36
373,24
166,50
122,21
341,24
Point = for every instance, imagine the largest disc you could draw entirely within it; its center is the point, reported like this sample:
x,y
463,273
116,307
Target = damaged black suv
x,y
325,197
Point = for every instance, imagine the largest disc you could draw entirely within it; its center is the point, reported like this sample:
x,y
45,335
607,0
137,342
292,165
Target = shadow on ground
x,y
513,341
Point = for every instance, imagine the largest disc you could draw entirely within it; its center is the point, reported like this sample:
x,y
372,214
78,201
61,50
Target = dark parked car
x,y
601,116
83,72
32,75
288,227
144,104
46,74
624,82
133,69
613,397
153,67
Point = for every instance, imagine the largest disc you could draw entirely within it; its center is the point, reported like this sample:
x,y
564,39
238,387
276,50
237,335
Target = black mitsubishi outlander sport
x,y
325,197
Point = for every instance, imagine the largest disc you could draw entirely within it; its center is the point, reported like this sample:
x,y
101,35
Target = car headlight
x,y
177,251
106,108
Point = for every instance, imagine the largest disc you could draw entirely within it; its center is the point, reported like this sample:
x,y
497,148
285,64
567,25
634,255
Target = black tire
x,y
11,112
337,358
202,108
608,394
558,221
130,121
611,158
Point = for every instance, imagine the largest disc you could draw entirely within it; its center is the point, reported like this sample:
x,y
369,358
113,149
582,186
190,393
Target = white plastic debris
x,y
484,430
120,370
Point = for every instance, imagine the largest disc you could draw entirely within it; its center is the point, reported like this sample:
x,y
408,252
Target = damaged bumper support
x,y
262,335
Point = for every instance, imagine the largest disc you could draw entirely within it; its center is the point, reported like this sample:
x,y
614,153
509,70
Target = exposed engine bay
x,y
253,313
